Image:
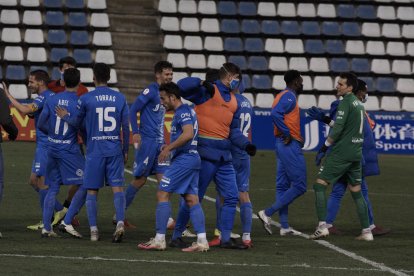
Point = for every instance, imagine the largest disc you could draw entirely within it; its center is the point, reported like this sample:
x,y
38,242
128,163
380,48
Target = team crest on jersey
x,y
146,91
79,172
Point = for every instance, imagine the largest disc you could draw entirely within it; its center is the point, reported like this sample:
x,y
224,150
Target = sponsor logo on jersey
x,y
79,172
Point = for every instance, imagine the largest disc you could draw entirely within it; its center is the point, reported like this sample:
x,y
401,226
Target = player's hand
x,y
287,139
12,137
320,155
251,149
61,112
164,155
136,138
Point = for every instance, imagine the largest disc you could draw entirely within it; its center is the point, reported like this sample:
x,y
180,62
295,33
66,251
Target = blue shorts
x,y
242,168
146,159
40,161
67,170
182,175
101,170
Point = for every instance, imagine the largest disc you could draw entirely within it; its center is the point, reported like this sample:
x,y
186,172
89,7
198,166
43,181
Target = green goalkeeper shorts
x,y
334,168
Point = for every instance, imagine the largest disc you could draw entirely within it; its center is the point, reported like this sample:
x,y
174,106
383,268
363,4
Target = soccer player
x,y
216,107
182,175
291,166
344,158
369,163
65,163
8,125
104,114
38,81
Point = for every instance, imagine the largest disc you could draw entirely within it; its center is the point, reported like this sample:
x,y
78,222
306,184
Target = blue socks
x,y
77,202
48,208
198,219
42,196
182,220
130,193
162,213
228,211
92,209
246,213
288,197
119,203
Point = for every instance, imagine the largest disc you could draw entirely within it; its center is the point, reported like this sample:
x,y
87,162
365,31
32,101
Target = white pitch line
x,y
324,243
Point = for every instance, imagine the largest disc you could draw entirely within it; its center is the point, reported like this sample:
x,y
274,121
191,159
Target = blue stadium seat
x,y
290,27
233,44
310,28
258,63
331,28
247,9
335,47
351,29
370,83
16,73
77,19
360,65
75,4
82,56
270,27
254,45
239,61
227,8
250,26
314,46
57,53
53,4
345,11
339,65
261,82
56,73
79,38
34,68
247,82
57,37
366,12
55,18
230,26
385,84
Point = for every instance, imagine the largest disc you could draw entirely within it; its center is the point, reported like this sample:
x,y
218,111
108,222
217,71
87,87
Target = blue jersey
x,y
62,137
103,112
244,114
39,102
151,114
184,115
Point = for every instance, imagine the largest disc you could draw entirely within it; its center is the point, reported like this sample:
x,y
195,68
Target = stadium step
x,y
130,41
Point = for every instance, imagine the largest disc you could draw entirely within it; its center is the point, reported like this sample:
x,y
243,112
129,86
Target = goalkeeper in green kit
x,y
344,157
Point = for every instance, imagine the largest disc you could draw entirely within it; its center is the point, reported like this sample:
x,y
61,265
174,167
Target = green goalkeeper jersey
x,y
347,132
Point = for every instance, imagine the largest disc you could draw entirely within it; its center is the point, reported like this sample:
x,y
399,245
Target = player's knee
x,y
191,200
163,196
244,197
321,181
138,182
354,188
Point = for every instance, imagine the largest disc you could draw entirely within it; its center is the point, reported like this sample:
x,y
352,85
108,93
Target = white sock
x,y
366,230
120,223
372,226
94,228
160,237
321,223
246,237
328,225
201,238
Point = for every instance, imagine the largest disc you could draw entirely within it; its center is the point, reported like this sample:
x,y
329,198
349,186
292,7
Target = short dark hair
x,y
161,65
41,75
68,60
101,72
290,76
171,89
71,76
229,68
361,86
212,75
351,80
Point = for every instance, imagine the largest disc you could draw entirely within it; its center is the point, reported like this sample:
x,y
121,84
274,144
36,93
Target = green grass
x,y
392,196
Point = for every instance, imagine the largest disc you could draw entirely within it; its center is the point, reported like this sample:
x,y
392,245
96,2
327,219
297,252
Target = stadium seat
x,y
170,24
11,35
32,18
86,75
210,25
19,91
266,9
410,49
385,84
278,64
408,31
372,104
199,75
114,78
306,10
324,101
408,104
215,61
30,3
105,56
294,46
370,83
207,7
261,82
239,61
351,29
331,28
249,96
173,42
196,61
57,53
79,38
82,56
321,83
250,26
306,101
264,100
402,67
371,29
360,65
193,43
366,12
101,4
326,10
213,43
270,27
380,66
247,82
167,6
77,19
386,12
375,48
355,47
233,44
405,13
307,83
278,82
57,37
54,18
318,64
310,28
405,85
178,76
298,63
13,53
36,54
53,4
335,47
34,36
345,11
339,65
177,60
227,8
230,26
257,63
74,4
290,27
99,20
395,48
8,3
253,45
389,103
9,17
314,46
187,7
190,24
16,73
102,39
286,10
273,45
391,30
247,8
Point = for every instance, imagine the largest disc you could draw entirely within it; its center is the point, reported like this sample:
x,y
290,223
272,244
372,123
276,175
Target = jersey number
x,y
103,115
57,126
245,122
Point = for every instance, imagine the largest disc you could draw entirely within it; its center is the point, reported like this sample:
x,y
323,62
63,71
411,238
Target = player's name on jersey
x,y
63,102
116,137
105,98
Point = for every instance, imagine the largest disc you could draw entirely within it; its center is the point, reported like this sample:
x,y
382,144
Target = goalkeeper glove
x,y
317,114
251,149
